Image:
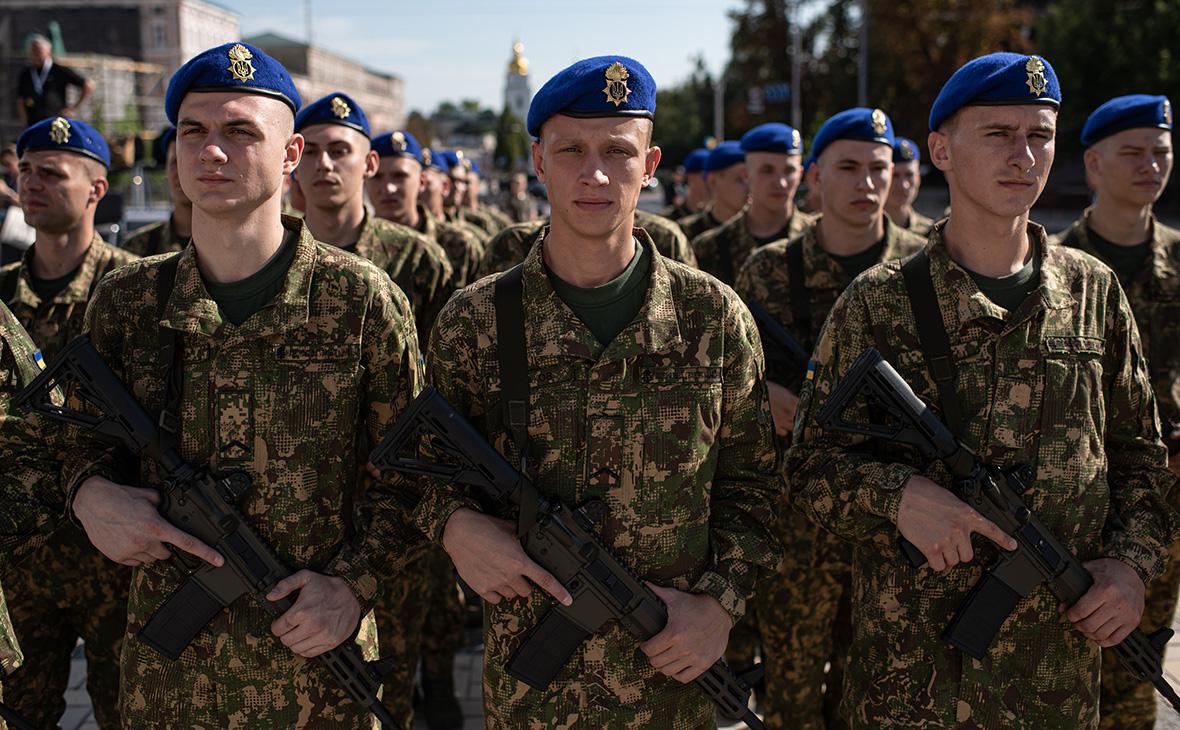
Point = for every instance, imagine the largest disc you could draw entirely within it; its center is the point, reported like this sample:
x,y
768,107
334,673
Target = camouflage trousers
x,y
420,617
1126,703
66,591
804,614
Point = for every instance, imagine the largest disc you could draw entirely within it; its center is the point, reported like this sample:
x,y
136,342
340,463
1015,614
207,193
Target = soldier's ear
x,y
539,160
651,162
293,153
372,162
940,155
98,188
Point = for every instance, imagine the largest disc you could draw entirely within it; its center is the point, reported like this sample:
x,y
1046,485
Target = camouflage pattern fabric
x,y
697,223
294,397
510,246
677,212
1154,295
673,433
734,235
464,248
154,239
460,217
918,224
797,608
10,654
67,589
442,635
1058,383
500,219
416,263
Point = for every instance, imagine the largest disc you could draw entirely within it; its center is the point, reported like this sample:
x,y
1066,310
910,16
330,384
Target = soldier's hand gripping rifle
x,y
200,504
1039,558
786,360
560,538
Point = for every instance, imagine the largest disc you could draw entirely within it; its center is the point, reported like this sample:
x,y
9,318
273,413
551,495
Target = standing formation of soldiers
x,y
611,354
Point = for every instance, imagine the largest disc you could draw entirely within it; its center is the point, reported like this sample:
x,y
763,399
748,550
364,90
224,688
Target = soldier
x,y
725,175
907,179
458,167
174,233
470,201
771,173
696,194
512,245
292,357
336,162
519,204
1128,157
67,590
394,193
673,432
1045,368
437,189
803,611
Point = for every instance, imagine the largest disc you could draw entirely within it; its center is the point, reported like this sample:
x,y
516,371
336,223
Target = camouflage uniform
x,y
1058,383
295,396
697,223
154,239
67,589
1154,296
461,217
509,247
416,264
918,224
677,212
799,610
464,248
723,250
488,218
673,433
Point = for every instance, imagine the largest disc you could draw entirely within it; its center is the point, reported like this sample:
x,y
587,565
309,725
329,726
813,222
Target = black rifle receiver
x,y
786,360
201,505
1040,557
561,539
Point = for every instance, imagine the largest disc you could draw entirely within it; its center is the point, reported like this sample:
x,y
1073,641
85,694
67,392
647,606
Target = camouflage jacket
x,y
463,217
918,224
677,212
1060,384
694,224
488,218
415,262
669,425
53,324
154,239
10,654
510,246
294,397
723,250
464,249
1154,295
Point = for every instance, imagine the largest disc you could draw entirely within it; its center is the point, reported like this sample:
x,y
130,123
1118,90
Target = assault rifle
x,y
560,538
786,360
201,505
1040,557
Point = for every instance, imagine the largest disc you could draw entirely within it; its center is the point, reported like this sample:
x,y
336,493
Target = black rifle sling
x,y
171,353
800,301
514,378
936,346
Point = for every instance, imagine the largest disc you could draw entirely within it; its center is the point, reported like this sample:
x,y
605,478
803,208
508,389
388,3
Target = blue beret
x,y
906,150
68,135
435,158
725,154
603,86
695,162
809,161
397,144
231,67
859,123
997,79
773,137
1127,112
455,160
335,108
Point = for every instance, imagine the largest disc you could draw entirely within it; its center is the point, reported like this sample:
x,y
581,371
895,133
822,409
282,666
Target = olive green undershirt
x,y
238,300
48,289
606,310
1125,260
856,264
1010,291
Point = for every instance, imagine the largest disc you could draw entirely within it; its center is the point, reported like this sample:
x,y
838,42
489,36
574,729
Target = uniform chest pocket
x,y
680,409
1073,414
312,395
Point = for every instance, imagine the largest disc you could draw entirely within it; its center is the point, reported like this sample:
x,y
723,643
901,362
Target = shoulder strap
x,y
936,346
800,301
510,349
171,351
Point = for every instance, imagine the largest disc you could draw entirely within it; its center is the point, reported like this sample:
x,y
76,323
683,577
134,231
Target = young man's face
x,y
336,163
473,187
773,178
698,189
854,177
594,170
728,187
233,150
1131,167
997,157
436,185
458,190
904,188
59,190
393,191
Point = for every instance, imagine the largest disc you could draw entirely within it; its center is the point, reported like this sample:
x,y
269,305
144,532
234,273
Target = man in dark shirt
x,y
41,87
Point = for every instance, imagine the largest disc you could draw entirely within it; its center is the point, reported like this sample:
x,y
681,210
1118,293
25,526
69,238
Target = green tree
x,y
684,115
512,144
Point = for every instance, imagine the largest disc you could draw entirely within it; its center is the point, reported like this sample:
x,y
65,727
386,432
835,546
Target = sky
x,y
459,49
